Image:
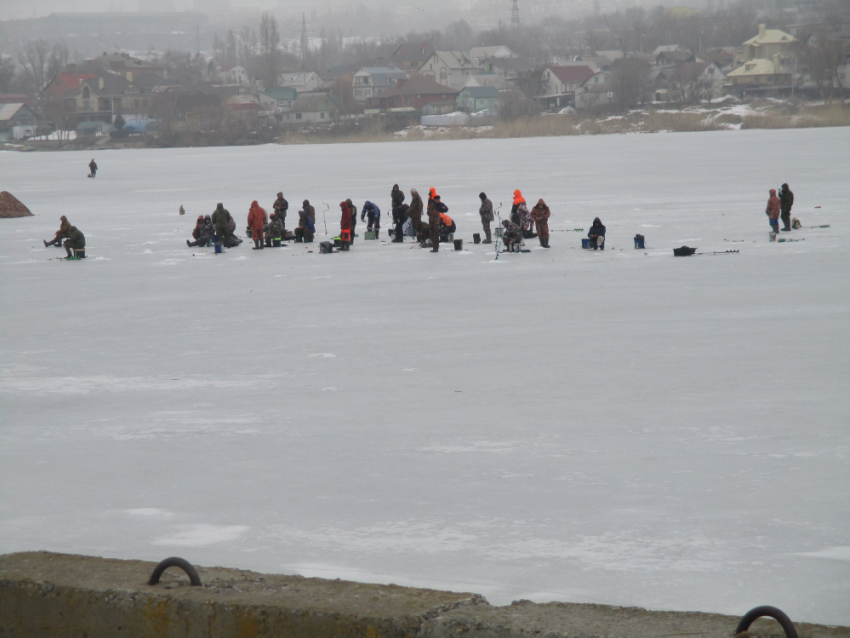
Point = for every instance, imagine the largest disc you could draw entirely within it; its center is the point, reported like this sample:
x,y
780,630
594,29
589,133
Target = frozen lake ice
x,y
619,427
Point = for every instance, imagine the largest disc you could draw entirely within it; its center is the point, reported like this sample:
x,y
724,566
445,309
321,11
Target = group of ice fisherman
x,y
270,230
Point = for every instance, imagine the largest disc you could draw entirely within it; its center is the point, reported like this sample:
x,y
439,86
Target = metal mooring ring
x,y
772,612
183,564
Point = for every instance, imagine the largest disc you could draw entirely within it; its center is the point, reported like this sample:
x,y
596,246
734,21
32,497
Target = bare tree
x,y
823,53
269,62
629,82
34,60
247,51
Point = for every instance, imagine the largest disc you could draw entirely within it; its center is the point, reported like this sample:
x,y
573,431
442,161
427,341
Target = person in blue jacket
x,y
306,228
373,214
597,235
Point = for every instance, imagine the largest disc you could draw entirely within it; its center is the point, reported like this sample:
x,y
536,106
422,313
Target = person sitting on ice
x,y
62,233
447,227
774,207
196,232
597,235
76,241
92,169
273,231
373,214
306,228
512,236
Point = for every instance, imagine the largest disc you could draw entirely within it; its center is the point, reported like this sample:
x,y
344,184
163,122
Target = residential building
x,y
673,59
185,106
102,98
759,75
408,58
303,82
770,44
449,68
17,120
511,69
125,65
561,83
60,85
693,82
233,74
439,108
278,99
371,80
595,91
414,93
317,108
472,99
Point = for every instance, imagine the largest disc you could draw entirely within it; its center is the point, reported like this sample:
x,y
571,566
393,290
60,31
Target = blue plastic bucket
x,y
217,248
585,242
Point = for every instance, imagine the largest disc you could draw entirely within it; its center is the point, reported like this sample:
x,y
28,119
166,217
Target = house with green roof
x,y
472,99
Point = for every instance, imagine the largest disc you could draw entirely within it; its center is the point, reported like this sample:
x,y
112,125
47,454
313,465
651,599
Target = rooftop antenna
x,y
514,15
304,41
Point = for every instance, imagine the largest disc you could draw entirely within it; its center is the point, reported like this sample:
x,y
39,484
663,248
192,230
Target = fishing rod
x,y
324,219
499,230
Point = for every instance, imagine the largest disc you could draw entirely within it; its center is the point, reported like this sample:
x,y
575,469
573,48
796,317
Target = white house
x,y
301,82
594,91
449,68
316,108
371,80
233,74
561,82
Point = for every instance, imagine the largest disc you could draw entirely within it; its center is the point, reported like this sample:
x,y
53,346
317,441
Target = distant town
x,y
252,85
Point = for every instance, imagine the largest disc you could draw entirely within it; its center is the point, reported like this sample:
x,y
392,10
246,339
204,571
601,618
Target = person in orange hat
x,y
516,213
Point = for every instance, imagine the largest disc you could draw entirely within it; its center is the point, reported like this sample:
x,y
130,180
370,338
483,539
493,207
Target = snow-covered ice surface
x,y
618,427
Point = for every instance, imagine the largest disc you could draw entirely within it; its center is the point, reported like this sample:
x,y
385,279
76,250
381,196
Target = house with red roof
x,y
64,83
561,82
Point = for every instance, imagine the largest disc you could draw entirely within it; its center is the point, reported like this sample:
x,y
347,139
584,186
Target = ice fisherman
x,y
436,208
597,234
92,168
76,241
516,214
273,230
512,236
786,201
280,207
345,223
541,214
257,219
221,220
400,217
353,210
198,233
486,212
774,207
62,233
447,227
372,213
306,227
414,212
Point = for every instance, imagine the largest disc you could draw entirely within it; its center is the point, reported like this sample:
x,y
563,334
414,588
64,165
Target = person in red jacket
x,y
773,209
257,219
345,224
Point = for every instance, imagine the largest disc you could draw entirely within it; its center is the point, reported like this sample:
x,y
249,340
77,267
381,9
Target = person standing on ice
x,y
435,210
220,219
397,197
373,214
516,214
280,207
62,233
786,201
92,168
353,210
257,219
772,211
540,214
345,223
414,212
486,212
597,234
399,215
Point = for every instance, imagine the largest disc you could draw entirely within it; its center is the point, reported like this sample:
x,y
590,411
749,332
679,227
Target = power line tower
x,y
304,42
514,15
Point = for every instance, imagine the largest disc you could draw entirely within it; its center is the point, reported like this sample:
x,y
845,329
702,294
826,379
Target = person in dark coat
x,y
280,207
221,219
353,210
399,217
786,201
306,228
373,214
274,230
397,196
76,240
486,212
447,227
92,169
540,214
516,215
345,223
512,236
309,210
414,211
62,233
597,235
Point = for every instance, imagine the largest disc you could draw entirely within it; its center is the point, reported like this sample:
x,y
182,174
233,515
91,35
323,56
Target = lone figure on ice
x,y
772,211
92,169
597,235
486,212
62,233
786,201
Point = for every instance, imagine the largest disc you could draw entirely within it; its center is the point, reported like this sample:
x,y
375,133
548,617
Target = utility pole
x,y
514,15
304,42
